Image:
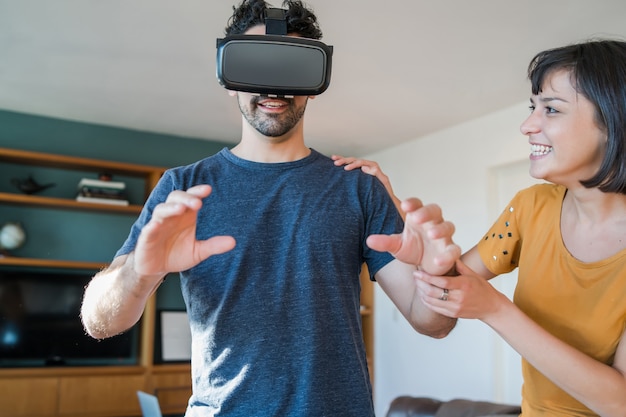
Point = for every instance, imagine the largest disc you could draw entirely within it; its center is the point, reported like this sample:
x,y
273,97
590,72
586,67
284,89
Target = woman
x,y
567,237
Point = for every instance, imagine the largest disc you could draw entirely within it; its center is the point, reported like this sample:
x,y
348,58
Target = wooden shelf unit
x,y
94,391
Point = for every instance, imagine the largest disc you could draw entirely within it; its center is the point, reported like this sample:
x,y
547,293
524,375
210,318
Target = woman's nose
x,y
530,125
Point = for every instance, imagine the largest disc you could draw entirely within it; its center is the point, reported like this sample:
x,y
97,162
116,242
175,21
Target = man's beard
x,y
272,125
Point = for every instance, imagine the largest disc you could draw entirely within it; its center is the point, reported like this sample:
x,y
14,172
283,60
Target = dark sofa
x,y
407,406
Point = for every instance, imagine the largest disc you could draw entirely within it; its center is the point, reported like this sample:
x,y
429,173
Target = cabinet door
x,y
28,397
114,395
173,390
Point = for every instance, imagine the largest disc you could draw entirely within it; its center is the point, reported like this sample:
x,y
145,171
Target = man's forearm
x,y
428,322
115,299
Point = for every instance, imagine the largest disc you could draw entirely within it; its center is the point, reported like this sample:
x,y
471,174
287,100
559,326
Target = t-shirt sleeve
x,y
500,247
382,218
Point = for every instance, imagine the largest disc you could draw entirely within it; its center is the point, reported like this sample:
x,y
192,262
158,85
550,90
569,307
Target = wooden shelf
x,y
49,263
71,371
64,203
76,163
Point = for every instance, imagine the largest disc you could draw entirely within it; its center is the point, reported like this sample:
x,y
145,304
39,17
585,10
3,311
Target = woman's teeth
x,y
538,150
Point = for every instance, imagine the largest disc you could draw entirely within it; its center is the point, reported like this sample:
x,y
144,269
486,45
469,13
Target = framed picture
x,y
173,337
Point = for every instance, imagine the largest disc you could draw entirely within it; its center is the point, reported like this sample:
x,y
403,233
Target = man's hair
x,y
300,18
598,72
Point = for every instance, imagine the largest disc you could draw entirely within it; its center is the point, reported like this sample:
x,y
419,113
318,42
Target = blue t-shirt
x,y
276,325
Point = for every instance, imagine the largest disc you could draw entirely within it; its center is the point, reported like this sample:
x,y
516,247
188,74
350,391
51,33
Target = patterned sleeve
x,y
500,247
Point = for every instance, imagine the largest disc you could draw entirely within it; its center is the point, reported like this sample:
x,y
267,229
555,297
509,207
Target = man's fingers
x,y
385,243
215,246
443,230
446,260
411,205
202,190
425,214
177,201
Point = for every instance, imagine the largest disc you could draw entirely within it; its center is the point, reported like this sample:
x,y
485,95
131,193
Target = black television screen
x,y
40,323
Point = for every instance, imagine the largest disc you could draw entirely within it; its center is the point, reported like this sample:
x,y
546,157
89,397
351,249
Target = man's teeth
x,y
538,150
272,104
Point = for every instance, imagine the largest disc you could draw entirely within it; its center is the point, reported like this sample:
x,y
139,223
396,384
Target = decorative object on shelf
x,y
29,185
12,236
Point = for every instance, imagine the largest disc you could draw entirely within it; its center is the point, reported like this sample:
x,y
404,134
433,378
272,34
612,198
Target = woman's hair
x,y
249,13
598,72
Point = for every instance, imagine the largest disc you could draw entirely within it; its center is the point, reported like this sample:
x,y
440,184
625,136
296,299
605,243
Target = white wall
x,y
455,169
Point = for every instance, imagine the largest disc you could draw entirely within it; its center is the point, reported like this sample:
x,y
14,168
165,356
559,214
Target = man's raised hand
x,y
426,240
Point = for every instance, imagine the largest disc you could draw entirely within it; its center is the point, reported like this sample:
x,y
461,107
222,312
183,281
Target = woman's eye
x,y
531,108
551,110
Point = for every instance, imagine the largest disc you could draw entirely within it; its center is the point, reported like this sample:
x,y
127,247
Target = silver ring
x,y
444,295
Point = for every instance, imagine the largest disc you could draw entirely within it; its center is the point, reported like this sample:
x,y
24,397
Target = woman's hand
x,y
467,295
371,168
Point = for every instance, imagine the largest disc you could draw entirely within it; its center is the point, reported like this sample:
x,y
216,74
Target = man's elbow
x,y
98,331
92,329
98,325
438,332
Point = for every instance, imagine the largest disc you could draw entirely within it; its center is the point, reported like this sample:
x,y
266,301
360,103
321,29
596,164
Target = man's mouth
x,y
271,103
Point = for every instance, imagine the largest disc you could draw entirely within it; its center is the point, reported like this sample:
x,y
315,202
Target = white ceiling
x,y
401,68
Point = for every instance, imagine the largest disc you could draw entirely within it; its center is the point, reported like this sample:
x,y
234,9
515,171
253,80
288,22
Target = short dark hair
x,y
300,18
598,71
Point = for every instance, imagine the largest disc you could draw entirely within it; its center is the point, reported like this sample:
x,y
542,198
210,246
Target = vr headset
x,y
274,64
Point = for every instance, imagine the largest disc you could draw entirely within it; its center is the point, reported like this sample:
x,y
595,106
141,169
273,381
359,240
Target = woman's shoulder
x,y
538,198
543,191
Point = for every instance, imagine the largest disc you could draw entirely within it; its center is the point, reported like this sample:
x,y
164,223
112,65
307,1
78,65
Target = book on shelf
x,y
98,192
89,182
96,200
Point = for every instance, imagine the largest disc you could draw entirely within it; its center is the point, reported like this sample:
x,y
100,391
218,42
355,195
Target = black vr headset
x,y
274,64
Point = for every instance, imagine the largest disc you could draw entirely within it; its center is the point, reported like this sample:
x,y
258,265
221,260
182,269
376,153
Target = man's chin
x,y
272,131
275,137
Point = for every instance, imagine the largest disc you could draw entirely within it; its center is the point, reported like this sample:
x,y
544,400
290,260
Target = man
x,y
270,254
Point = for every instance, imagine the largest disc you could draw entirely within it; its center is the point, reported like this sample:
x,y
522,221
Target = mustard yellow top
x,y
581,303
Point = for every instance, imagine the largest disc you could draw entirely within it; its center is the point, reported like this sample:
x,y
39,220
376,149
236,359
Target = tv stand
x,y
55,361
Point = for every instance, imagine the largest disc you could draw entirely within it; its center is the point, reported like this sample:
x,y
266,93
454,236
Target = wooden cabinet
x,y
28,395
172,386
73,392
101,395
